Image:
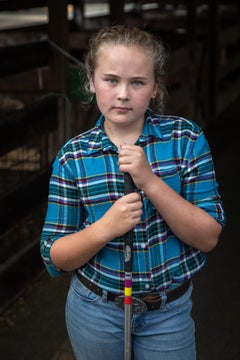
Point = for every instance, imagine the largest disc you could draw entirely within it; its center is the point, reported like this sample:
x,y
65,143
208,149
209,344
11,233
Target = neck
x,y
122,134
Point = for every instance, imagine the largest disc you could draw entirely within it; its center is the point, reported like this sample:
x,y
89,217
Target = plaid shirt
x,y
86,181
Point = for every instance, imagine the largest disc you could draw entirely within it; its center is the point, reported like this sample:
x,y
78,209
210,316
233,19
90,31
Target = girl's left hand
x,y
132,160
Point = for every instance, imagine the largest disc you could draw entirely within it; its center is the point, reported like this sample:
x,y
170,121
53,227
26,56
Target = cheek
x,y
103,99
144,100
104,94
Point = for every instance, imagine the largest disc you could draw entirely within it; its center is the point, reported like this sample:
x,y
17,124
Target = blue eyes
x,y
111,81
115,82
138,83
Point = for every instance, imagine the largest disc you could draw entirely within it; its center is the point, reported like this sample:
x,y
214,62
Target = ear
x,y
91,84
154,93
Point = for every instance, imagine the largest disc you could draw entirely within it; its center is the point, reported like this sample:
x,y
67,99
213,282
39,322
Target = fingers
x,y
132,205
132,197
124,214
127,152
132,159
129,156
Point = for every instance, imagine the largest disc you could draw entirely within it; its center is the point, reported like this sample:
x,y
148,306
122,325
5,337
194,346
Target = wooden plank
x,y
179,98
117,14
58,33
79,40
231,65
19,58
21,4
37,119
213,29
27,83
179,59
230,35
12,281
227,96
15,205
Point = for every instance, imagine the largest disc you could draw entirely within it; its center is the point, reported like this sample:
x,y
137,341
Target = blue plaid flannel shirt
x,y
86,181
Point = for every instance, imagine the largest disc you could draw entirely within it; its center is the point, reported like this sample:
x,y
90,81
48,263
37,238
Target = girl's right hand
x,y
124,214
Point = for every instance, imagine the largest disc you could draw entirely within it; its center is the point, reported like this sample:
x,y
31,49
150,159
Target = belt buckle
x,y
138,306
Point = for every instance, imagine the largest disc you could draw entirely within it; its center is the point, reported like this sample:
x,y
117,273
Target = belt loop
x,y
164,299
104,295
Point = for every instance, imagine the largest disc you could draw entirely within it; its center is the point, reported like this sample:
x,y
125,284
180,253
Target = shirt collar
x,y
152,125
98,140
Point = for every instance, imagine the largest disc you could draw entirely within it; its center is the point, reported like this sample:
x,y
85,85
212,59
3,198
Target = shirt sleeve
x,y
199,179
64,212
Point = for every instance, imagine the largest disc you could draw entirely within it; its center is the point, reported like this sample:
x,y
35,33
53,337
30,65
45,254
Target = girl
x,y
175,211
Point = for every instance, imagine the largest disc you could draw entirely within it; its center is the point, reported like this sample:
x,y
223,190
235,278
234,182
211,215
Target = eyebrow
x,y
140,77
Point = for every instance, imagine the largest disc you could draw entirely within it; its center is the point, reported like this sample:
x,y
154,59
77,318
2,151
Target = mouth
x,y
122,109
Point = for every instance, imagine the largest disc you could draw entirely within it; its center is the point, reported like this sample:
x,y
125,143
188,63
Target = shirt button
x,y
143,245
147,286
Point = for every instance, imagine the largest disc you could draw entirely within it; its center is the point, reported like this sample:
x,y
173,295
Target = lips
x,y
122,109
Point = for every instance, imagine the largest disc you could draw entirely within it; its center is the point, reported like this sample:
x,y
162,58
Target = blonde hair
x,y
126,35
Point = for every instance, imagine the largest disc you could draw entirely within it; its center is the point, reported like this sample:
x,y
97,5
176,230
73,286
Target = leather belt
x,y
152,300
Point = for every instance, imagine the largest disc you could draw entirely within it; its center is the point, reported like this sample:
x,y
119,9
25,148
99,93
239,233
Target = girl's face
x,y
124,84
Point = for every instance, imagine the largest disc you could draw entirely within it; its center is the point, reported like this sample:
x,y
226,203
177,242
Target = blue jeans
x,y
96,328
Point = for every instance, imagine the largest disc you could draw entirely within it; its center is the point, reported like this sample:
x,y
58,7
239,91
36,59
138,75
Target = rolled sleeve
x,y
200,186
63,213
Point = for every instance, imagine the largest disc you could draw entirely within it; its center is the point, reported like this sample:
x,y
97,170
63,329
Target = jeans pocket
x,y
183,301
82,291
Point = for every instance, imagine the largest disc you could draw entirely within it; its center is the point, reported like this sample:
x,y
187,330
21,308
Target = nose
x,y
123,93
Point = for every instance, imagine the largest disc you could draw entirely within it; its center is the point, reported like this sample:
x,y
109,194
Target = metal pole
x,y
128,188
